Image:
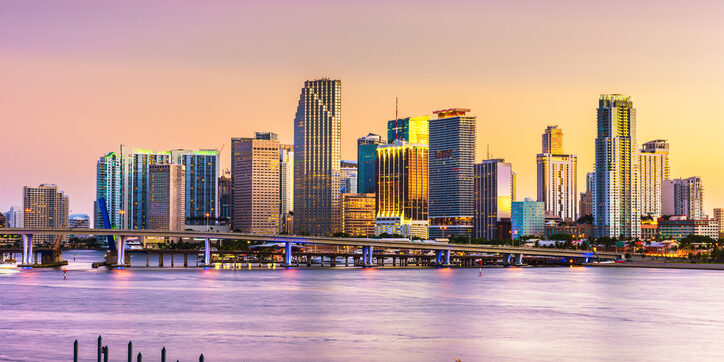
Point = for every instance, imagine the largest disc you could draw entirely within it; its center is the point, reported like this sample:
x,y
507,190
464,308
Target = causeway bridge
x,y
441,251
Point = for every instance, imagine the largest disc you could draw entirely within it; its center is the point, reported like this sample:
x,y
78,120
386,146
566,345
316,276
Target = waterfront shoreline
x,y
660,265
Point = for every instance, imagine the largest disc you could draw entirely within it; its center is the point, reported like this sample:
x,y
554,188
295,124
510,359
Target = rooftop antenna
x,y
396,108
488,153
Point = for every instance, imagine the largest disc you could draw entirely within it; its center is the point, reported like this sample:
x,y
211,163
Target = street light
x,y
123,220
207,222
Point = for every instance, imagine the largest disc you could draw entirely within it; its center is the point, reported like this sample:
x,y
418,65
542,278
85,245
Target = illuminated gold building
x,y
411,129
402,189
557,174
359,214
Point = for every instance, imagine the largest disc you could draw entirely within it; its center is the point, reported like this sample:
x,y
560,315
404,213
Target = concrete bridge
x,y
118,257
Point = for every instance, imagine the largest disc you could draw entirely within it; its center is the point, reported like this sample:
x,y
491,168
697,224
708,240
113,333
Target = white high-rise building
x,y
654,170
557,175
286,188
683,197
616,204
14,217
108,188
317,157
46,207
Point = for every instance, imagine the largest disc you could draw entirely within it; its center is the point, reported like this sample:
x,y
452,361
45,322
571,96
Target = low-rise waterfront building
x,y
358,212
679,227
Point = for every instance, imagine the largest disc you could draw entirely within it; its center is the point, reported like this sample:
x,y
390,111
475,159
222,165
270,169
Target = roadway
x,y
319,240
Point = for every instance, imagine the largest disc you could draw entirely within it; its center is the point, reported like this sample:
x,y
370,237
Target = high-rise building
x,y
402,189
653,171
15,217
557,175
494,192
317,153
451,159
255,184
366,153
585,205
286,188
135,163
202,175
348,177
225,196
166,197
684,197
108,188
46,207
616,210
528,219
719,217
414,130
359,214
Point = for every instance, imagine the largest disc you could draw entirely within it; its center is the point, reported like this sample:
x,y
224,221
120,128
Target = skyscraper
x,y
108,187
557,175
15,217
286,188
317,153
451,159
494,192
616,210
411,129
135,163
654,170
202,174
166,197
402,189
683,197
366,153
255,184
46,207
719,217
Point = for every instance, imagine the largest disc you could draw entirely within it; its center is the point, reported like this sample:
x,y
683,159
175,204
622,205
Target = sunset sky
x,y
80,78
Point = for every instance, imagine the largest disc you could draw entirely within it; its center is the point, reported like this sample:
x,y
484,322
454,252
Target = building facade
x,y
451,160
414,130
585,205
225,197
557,175
108,188
135,163
366,162
402,189
719,217
348,177
527,219
678,227
202,184
683,197
286,188
45,207
616,206
654,170
359,214
166,197
494,190
15,217
255,184
317,153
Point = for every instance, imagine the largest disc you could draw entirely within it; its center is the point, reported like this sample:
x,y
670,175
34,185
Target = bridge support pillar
x,y
121,251
287,254
207,252
439,257
28,258
506,259
370,254
518,259
447,257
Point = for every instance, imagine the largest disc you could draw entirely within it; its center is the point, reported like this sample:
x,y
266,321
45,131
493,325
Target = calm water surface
x,y
373,314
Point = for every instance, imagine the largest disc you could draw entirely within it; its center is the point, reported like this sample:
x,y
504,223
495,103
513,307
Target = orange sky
x,y
81,77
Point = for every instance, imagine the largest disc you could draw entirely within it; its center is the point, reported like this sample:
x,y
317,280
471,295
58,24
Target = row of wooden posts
x,y
103,353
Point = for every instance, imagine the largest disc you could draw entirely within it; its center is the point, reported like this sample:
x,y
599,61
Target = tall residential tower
x,y
654,170
616,205
557,174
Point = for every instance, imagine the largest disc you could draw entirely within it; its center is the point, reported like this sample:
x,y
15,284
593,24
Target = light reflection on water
x,y
364,314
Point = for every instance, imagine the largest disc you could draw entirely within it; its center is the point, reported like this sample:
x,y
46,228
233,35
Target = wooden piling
x,y
186,260
160,260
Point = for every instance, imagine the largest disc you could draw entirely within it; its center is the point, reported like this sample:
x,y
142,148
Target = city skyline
x,y
675,90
